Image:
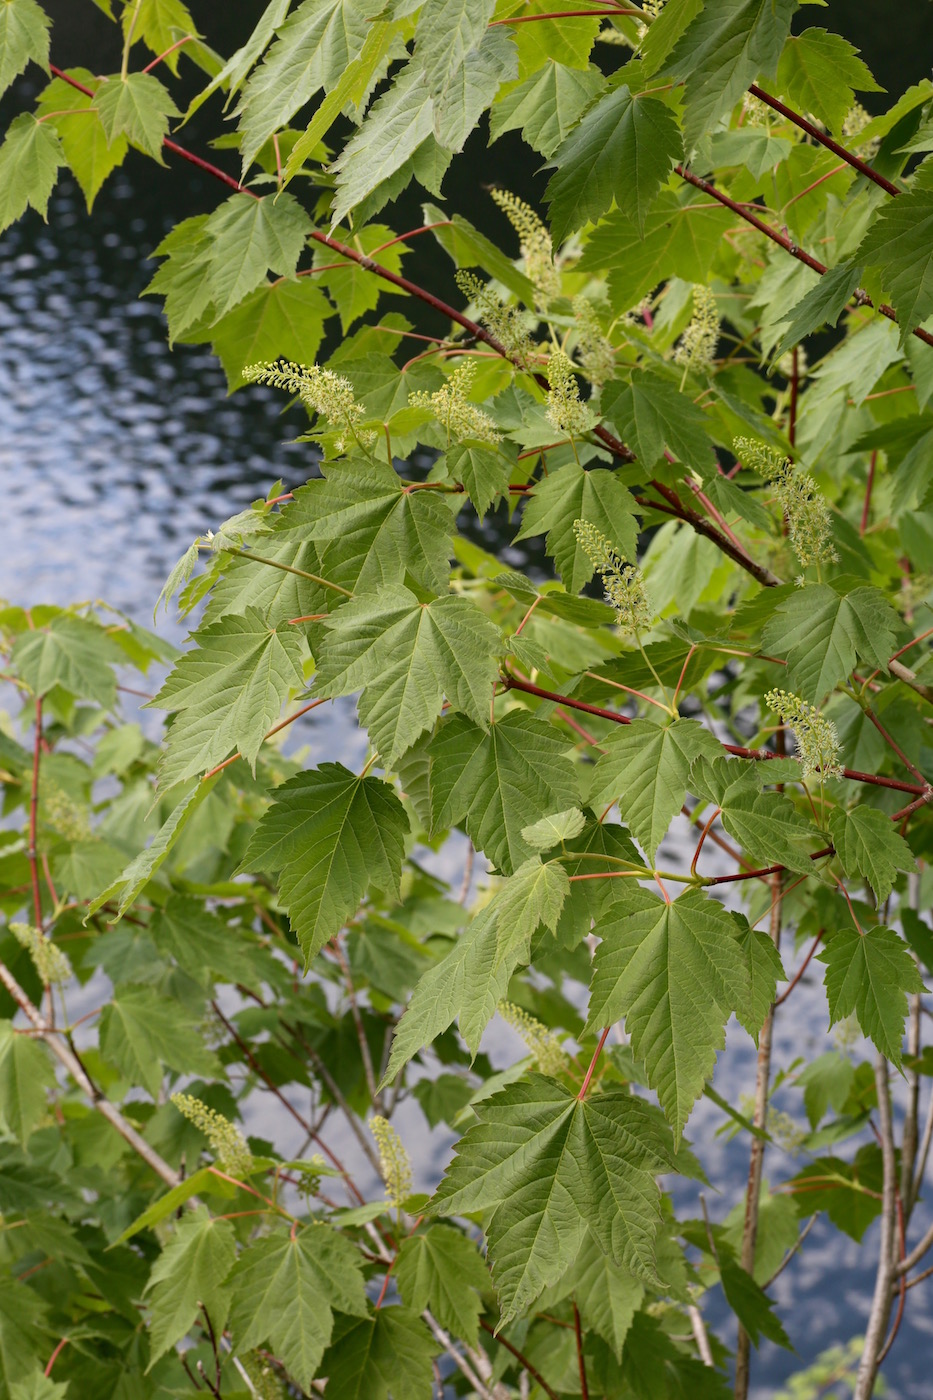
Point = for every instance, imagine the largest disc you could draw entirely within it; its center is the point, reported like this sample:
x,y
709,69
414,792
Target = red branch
x,y
848,156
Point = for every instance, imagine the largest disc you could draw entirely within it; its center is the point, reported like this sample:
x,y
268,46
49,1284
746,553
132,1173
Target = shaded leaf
x,y
870,974
189,1273
868,845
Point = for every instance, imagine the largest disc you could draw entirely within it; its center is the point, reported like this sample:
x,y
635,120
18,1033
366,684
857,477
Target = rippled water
x,y
115,452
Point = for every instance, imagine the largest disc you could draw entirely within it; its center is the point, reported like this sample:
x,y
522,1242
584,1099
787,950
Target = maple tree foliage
x,y
684,758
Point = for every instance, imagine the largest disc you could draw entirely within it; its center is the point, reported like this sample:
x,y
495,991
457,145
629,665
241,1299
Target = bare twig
x,y
888,1269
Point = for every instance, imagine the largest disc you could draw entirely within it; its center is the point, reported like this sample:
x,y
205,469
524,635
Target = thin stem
x,y
824,140
700,1336
792,1251
286,568
589,1073
532,1370
756,1157
125,65
703,835
794,387
922,1155
171,49
801,969
365,1055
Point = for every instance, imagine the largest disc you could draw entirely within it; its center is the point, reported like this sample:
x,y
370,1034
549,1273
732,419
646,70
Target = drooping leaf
x,y
824,304
482,471
26,1075
608,1296
248,237
30,158
676,973
543,1165
226,694
849,1192
70,652
623,149
821,634
751,1305
446,32
442,1270
724,49
547,105
820,72
330,834
137,107
141,1031
764,965
869,846
159,24
870,974
493,780
534,895
645,768
386,1354
900,245
23,1332
407,656
766,824
571,494
311,51
397,124
472,87
651,415
84,141
283,1291
187,1276
24,38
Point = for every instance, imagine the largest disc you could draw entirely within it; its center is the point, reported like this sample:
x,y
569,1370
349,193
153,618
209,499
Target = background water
x,y
115,452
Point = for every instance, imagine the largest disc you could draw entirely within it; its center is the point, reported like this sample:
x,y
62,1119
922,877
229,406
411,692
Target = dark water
x,y
116,452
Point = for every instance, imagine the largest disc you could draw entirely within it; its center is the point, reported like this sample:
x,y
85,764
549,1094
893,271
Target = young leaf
x,y
645,768
397,124
407,656
543,1165
248,237
330,834
227,694
653,958
534,895
189,1275
84,142
608,1297
283,1291
388,1353
900,245
870,974
140,1031
23,1333
446,32
623,149
482,471
494,780
751,1305
572,494
819,73
442,1270
679,239
26,1075
29,162
547,105
24,37
821,634
724,49
137,107
549,831
867,844
281,319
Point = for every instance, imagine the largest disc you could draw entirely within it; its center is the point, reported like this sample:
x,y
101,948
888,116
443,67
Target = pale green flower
x,y
565,410
393,1160
624,583
542,1044
320,390
225,1139
809,519
50,962
451,406
698,342
534,243
816,737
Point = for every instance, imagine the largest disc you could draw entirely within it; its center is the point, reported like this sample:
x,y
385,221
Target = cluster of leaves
x,y
633,393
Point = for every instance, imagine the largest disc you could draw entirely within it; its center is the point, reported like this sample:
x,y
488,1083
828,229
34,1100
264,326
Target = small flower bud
x,y
50,962
698,342
624,583
809,520
451,406
393,1159
565,412
534,242
816,738
321,391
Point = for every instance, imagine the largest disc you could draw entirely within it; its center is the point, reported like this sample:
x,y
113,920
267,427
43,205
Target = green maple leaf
x,y
30,158
608,1297
26,1075
248,237
141,1030
819,73
724,49
407,656
23,1330
623,149
867,844
183,280
389,1353
651,414
446,32
543,1165
38,1386
900,245
472,86
24,38
187,1275
547,105
533,896
227,693
764,966
645,768
571,494
766,824
330,834
72,653
311,51
284,1290
279,320
441,1269
137,107
823,304
494,780
158,24
84,141
379,530
870,974
680,239
554,830
821,634
676,973
482,471
396,126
